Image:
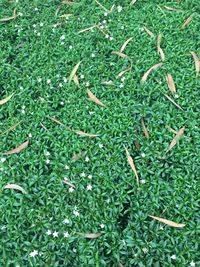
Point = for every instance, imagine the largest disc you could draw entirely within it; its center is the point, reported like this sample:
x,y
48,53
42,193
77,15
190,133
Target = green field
x,y
75,200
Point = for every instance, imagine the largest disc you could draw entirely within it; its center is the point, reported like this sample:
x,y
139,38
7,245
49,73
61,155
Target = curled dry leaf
x,y
187,21
68,183
86,134
170,223
125,44
120,54
149,32
197,62
160,51
5,100
123,72
176,138
76,81
145,129
15,186
173,102
88,235
121,265
74,72
171,83
9,18
17,149
132,165
93,98
145,76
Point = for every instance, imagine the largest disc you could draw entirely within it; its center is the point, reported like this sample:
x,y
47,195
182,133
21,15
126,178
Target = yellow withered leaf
x,y
171,100
170,223
85,134
187,21
17,149
15,186
68,183
9,18
5,100
93,98
197,62
76,81
160,51
120,54
171,83
149,32
145,76
88,235
132,165
60,123
65,16
176,138
145,129
125,44
74,72
105,9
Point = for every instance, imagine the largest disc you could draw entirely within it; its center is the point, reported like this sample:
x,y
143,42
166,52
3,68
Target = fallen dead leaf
x,y
171,83
9,18
120,54
176,138
16,187
68,183
93,98
160,51
107,83
145,129
187,21
65,16
78,155
74,72
170,223
133,2
5,100
60,123
17,149
197,62
125,44
171,8
88,235
123,72
132,165
69,3
88,29
105,9
86,134
173,102
76,81
149,32
145,76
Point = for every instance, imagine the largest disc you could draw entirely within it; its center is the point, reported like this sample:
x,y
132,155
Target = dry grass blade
x,y
133,2
187,21
16,187
60,123
78,155
160,51
86,134
88,29
170,8
145,129
125,44
175,132
88,235
69,3
121,265
120,54
11,128
44,127
17,149
197,62
5,100
171,83
173,102
93,98
65,16
74,72
76,81
132,165
176,138
68,183
107,83
105,9
57,10
123,72
170,223
145,76
9,18
149,32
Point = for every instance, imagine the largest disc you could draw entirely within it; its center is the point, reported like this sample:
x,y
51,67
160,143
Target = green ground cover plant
x,y
96,151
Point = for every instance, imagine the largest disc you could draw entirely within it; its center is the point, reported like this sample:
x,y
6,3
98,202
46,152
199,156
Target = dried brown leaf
x,y
171,83
176,138
171,8
17,149
69,3
79,155
16,187
170,223
76,81
133,2
88,29
173,102
145,129
160,51
68,183
9,18
120,54
125,44
73,72
93,98
65,16
85,134
187,21
145,76
197,62
5,100
132,165
123,72
149,32
105,9
60,123
88,235
107,83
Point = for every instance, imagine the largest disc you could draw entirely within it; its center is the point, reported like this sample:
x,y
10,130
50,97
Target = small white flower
x,y
65,79
145,250
70,47
83,174
87,159
74,250
62,43
192,263
102,225
23,111
20,14
121,85
38,34
34,253
41,24
47,153
55,234
105,14
62,37
76,213
47,161
66,167
101,27
91,112
66,221
34,26
104,21
122,27
39,80
173,257
36,9
21,88
100,145
176,96
60,85
89,187
48,81
66,234
3,160
23,107
82,76
62,103
87,84
119,9
123,79
107,36
111,38
143,155
30,135
93,55
71,189
90,176
142,181
48,232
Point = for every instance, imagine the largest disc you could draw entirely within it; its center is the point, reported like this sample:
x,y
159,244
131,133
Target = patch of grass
x,y
37,58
